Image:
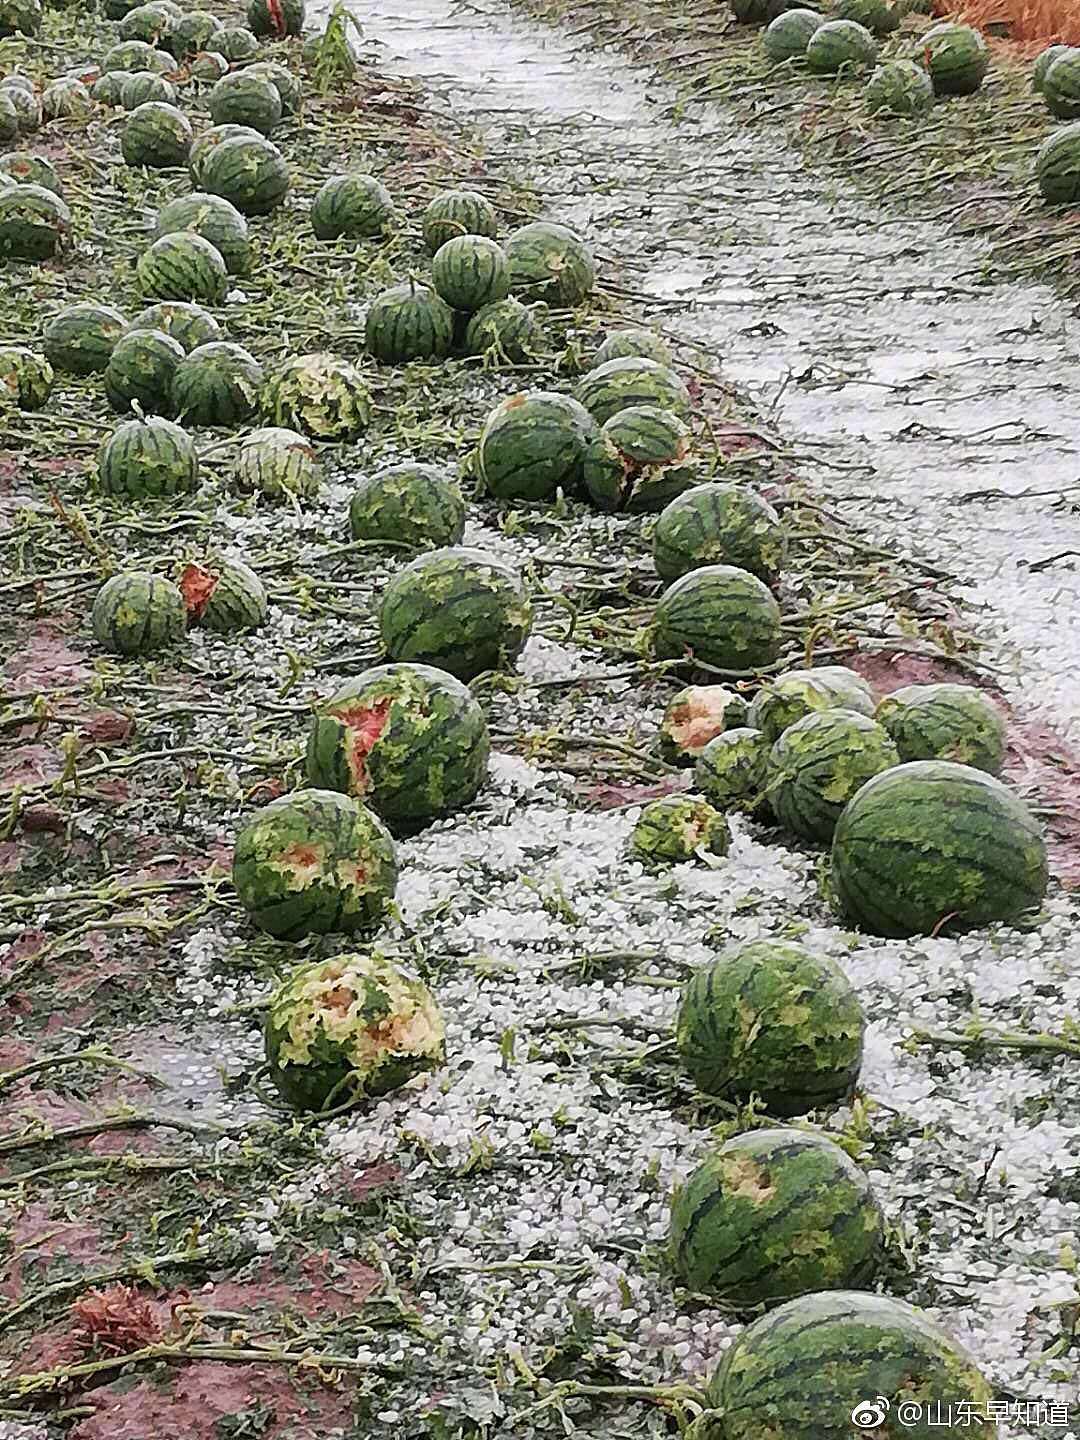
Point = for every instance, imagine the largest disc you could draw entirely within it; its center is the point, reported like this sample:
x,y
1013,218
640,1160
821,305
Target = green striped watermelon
x,y
470,272
505,331
277,462
1042,64
193,32
457,609
27,109
275,19
245,98
225,596
209,140
190,325
733,769
217,384
718,616
137,613
183,266
758,12
209,67
410,504
534,444
806,692
804,1369
899,87
356,207
408,740
773,1020
633,345
787,37
945,722
215,220
284,82
840,45
9,127
931,845
457,212
676,828
248,171
549,262
320,395
26,379
640,460
20,17
80,339
818,763
878,16
618,384
773,1214
24,168
145,87
348,1028
108,89
150,23
34,223
315,863
956,59
66,99
1057,166
147,459
236,44
409,322
719,524
136,55
1061,86
140,372
693,717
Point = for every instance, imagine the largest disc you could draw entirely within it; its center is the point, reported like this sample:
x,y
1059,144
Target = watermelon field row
x,y
371,1059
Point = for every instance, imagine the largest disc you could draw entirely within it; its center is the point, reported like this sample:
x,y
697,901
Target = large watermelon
x,y
245,98
504,331
225,596
135,56
549,262
320,395
209,140
932,845
640,460
145,459
956,58
315,863
718,524
1042,64
27,109
458,609
408,740
806,692
348,1028
150,23
773,1214
899,87
80,339
283,81
248,171
633,344
803,1370
356,207
675,828
878,16
410,504
183,266
409,322
789,34
470,272
1061,85
719,616
278,462
193,32
693,717
34,223
108,88
945,722
1057,166
137,613
217,384
275,19
457,212
773,1020
533,444
618,384
145,87
840,45
140,372
215,220
26,379
190,325
818,763
66,99
156,135
733,769
236,44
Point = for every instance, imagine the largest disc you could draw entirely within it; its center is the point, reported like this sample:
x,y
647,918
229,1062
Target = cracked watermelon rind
x,y
319,395
732,770
276,462
675,828
26,378
695,715
549,262
640,460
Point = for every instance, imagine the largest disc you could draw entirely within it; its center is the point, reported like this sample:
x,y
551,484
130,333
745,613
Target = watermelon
x,y
956,59
117,9
208,67
275,19
217,384
631,345
23,168
215,220
840,45
640,460
156,135
411,504
19,17
733,769
457,212
315,863
549,262
66,99
804,1369
80,339
140,372
719,616
248,171
409,322
195,31
283,81
506,331
348,1028
1061,86
137,613
183,266
148,459
1042,64
34,223
1057,166
236,44
108,89
17,81
27,109
533,444
143,87
225,596
758,12
899,87
319,395
789,34
772,1020
150,23
693,717
136,55
188,324
245,98
805,692
470,272
618,384
676,828
945,722
408,740
718,524
26,379
457,609
209,140
877,16
817,765
357,207
9,127
930,845
773,1214
276,462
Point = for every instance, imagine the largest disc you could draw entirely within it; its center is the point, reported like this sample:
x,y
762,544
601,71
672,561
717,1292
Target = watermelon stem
x,y
976,1038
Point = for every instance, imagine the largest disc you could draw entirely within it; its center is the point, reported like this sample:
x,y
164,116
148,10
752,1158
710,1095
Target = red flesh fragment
x,y
363,724
196,586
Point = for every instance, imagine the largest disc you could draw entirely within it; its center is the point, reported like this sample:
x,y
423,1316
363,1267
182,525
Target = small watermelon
x,y
818,763
108,89
26,378
183,266
718,616
505,331
215,220
156,135
549,262
409,322
1057,166
676,828
718,524
320,395
350,1028
945,722
456,609
209,67
217,384
275,19
772,1020
148,459
236,44
144,87
225,596
693,717
640,460
470,272
66,99
283,81
24,168
190,325
620,384
787,37
957,59
633,345
137,613
247,170
209,140
193,32
244,97
34,223
840,46
733,769
899,87
353,207
457,212
410,504
9,127
277,462
150,23
1043,61
806,692
135,56
878,16
27,109
408,740
140,372
315,863
80,339
534,444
